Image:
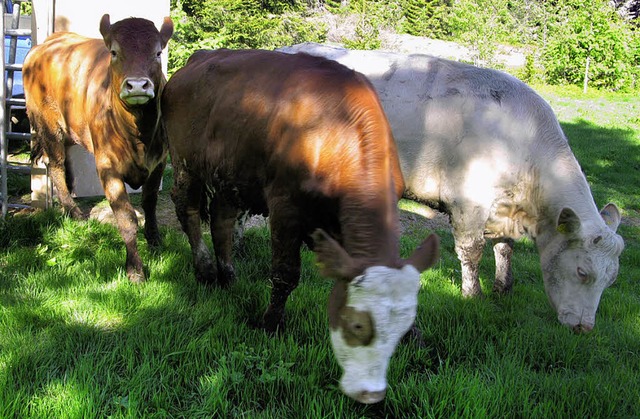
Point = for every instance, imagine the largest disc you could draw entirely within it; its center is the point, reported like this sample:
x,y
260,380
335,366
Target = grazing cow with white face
x,y
104,95
483,147
304,140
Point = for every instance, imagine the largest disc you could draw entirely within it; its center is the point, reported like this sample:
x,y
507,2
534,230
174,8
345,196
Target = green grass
x,y
77,340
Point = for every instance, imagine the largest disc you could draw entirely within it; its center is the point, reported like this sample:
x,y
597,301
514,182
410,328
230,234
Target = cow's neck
x,y
370,229
568,188
138,123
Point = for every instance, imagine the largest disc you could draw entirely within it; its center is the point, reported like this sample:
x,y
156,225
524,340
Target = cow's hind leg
x,y
502,250
51,143
223,220
285,268
186,195
149,205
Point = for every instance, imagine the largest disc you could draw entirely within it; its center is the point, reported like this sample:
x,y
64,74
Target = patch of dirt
x,y
423,217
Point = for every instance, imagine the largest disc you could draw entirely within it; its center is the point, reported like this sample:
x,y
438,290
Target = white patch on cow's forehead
x,y
390,296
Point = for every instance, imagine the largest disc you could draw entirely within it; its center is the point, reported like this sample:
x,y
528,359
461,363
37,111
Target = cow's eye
x,y
357,327
114,54
582,274
158,54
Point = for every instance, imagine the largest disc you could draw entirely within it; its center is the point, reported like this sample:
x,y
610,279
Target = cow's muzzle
x,y
137,90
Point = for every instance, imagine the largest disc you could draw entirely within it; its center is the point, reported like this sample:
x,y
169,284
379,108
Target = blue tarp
x,y
24,44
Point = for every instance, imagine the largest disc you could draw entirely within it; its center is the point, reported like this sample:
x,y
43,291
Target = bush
x,y
590,30
236,24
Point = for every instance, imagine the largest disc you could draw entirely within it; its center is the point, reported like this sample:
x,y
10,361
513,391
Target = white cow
x,y
483,147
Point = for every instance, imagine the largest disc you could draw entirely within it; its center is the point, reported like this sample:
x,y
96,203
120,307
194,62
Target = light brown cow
x,y
305,140
103,94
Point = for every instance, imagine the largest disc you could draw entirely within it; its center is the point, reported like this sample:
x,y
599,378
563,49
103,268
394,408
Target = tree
x,y
589,31
211,24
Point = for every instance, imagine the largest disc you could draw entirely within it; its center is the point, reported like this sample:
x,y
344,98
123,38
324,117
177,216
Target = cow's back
x,y
268,122
66,82
462,131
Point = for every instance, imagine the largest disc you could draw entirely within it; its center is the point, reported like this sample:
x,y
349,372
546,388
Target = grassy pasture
x,y
77,340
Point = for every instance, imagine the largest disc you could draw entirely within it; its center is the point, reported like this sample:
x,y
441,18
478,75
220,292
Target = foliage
x,y
424,17
560,35
236,24
590,30
480,24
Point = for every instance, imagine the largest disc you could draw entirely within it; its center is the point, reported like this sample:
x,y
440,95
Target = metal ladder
x,y
12,32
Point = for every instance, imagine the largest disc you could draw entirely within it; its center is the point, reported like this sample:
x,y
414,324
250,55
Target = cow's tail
x,y
206,198
37,151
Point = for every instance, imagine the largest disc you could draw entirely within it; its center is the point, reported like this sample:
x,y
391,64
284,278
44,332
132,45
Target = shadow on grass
x,y
610,159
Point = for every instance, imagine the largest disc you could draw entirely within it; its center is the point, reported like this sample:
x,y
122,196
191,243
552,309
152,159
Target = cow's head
x,y
370,309
579,263
136,48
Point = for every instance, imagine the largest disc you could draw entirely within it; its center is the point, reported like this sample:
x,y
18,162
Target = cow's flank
x,y
304,140
104,95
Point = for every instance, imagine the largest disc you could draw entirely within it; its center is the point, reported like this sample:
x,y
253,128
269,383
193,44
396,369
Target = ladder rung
x,y
17,32
18,136
16,102
20,206
25,170
13,67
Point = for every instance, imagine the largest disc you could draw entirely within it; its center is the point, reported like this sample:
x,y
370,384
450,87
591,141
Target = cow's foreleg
x,y
126,220
223,219
186,195
503,249
149,205
285,263
469,251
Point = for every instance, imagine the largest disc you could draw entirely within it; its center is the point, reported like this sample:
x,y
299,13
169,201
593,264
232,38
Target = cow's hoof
x,y
77,214
473,291
226,275
153,238
501,289
205,270
136,277
272,323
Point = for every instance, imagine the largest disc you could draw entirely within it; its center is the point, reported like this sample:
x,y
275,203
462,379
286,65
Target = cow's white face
x,y
370,309
380,308
578,264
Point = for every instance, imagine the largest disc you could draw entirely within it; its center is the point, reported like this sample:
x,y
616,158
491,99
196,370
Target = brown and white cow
x,y
304,140
104,95
483,147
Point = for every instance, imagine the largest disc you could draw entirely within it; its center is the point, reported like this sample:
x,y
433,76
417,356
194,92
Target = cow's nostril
x,y
370,397
582,328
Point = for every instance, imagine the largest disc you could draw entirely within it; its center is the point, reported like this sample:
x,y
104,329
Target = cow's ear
x,y
611,216
105,29
426,254
568,222
333,260
166,30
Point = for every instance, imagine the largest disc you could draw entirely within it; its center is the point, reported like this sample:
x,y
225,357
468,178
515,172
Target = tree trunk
x,y
586,76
